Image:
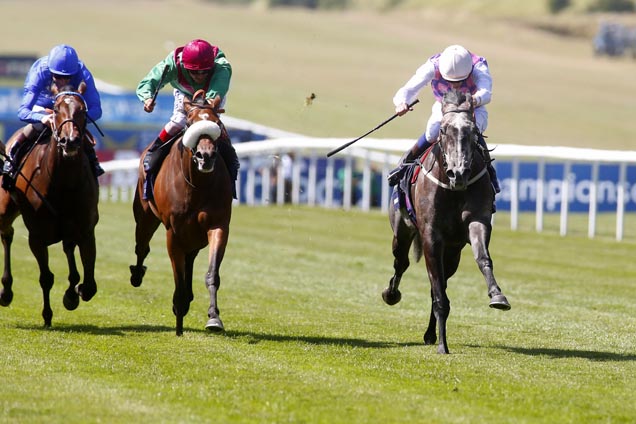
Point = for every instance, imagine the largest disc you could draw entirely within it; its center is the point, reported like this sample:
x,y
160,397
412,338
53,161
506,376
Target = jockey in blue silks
x,y
456,68
61,67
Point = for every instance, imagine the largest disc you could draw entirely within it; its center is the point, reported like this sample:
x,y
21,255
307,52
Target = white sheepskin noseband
x,y
196,130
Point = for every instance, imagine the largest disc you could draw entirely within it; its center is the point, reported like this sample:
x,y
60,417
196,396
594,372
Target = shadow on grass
x,y
315,340
571,353
100,331
248,336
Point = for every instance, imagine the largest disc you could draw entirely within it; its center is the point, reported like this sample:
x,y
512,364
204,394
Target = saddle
x,y
401,196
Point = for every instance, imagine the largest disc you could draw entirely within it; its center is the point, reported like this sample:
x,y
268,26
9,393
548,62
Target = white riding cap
x,y
455,63
196,130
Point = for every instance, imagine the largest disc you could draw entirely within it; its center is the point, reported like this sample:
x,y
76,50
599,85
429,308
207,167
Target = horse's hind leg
x,y
401,245
146,225
187,287
182,264
71,298
8,213
41,254
430,336
479,234
218,241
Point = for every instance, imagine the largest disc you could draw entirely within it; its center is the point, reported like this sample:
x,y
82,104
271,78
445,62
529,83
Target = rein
x,y
185,177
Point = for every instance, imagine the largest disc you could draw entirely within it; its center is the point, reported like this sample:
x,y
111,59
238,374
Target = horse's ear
x,y
467,103
82,87
197,94
54,89
215,103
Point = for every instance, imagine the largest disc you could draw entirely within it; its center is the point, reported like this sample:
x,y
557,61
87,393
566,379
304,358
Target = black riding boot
x,y
89,149
228,153
12,164
149,161
152,163
415,152
491,169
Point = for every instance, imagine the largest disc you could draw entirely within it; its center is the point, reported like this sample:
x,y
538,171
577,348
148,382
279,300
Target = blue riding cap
x,y
63,60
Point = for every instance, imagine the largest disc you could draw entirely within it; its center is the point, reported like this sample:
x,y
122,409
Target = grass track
x,y
309,340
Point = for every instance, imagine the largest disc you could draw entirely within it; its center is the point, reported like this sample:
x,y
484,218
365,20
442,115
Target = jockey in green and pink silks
x,y
196,66
456,68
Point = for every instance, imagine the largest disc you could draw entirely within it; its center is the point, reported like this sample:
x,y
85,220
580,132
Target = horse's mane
x,y
68,87
457,101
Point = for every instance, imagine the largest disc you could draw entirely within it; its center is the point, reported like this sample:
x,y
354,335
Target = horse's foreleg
x,y
88,254
217,240
479,235
6,294
41,254
71,298
440,302
146,225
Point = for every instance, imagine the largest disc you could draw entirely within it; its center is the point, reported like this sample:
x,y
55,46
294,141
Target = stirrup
x,y
146,161
396,175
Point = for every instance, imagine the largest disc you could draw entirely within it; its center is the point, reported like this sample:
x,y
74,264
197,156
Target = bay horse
x,y
57,194
193,200
452,198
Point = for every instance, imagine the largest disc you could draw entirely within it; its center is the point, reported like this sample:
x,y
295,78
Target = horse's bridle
x,y
57,129
444,163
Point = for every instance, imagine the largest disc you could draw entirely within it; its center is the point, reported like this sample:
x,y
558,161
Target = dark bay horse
x,y
56,194
452,197
193,200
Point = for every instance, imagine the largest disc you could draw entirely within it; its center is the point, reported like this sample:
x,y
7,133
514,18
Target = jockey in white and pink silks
x,y
457,68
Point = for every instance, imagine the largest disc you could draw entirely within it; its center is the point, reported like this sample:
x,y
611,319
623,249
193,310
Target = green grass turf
x,y
309,339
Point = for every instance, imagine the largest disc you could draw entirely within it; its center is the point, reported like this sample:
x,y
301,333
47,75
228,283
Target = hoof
x,y
215,325
137,275
6,297
70,300
85,292
499,302
391,298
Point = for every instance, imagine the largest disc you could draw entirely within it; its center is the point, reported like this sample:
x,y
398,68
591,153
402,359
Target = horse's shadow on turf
x,y
100,331
567,353
249,336
254,338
